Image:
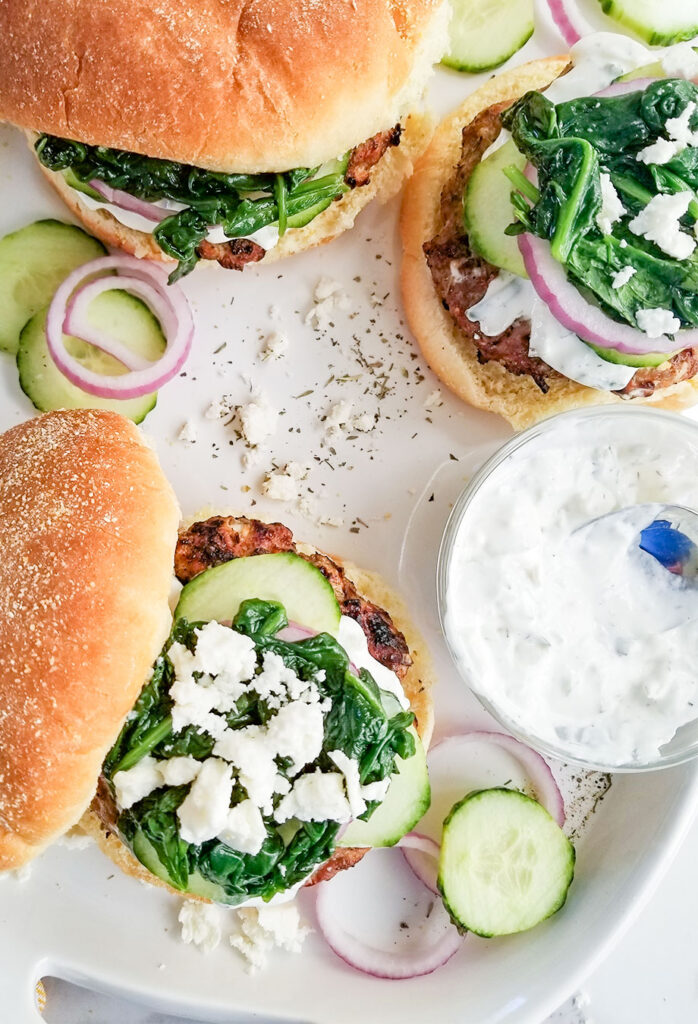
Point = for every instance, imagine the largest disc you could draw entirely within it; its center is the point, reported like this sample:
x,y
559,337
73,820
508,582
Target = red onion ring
x,y
622,88
427,947
589,322
422,854
534,765
128,202
67,313
568,21
293,632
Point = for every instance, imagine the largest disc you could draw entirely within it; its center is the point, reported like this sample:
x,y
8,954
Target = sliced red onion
x,y
589,322
422,855
448,755
294,632
568,20
622,88
428,941
128,202
67,314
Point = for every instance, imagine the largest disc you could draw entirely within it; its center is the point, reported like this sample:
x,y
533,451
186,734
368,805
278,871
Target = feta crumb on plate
x,y
258,421
284,484
433,400
201,925
264,928
275,345
188,432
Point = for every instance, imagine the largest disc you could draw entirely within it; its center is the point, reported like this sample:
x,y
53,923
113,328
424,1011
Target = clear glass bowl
x,y
684,744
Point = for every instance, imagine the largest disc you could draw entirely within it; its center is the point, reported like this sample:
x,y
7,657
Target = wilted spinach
x,y
571,144
239,203
357,723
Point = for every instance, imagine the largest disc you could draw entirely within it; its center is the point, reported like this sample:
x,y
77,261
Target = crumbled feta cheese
x,y
612,208
317,796
275,345
376,790
258,421
433,400
659,223
352,781
204,811
296,732
680,61
253,758
244,828
136,783
252,458
267,927
201,924
364,422
188,432
339,416
217,410
328,299
680,135
283,484
221,651
179,771
622,277
75,839
659,152
655,322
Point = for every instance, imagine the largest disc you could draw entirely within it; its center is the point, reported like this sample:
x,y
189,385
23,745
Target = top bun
x,y
228,85
88,525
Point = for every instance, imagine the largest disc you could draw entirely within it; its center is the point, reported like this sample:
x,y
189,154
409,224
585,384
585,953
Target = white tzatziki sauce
x,y
578,638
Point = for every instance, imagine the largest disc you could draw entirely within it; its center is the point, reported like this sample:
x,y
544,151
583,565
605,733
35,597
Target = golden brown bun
x,y
451,355
88,524
418,684
387,178
228,85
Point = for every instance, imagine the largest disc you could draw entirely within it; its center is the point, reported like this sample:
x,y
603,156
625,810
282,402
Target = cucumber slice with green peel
x,y
505,865
301,588
145,852
658,22
407,801
487,210
119,315
299,220
647,71
632,359
485,33
33,262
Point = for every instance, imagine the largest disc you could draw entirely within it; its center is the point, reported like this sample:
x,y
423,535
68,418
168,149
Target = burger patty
x,y
238,252
220,539
461,279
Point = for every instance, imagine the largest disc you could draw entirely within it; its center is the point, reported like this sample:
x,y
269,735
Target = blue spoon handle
x,y
672,548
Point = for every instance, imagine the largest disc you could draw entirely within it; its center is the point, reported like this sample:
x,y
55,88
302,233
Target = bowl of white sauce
x,y
576,640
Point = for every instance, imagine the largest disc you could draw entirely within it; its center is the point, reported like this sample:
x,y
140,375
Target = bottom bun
x,y
418,684
387,178
451,355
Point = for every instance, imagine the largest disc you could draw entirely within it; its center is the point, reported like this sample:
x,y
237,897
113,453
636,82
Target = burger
x,y
549,235
262,737
220,130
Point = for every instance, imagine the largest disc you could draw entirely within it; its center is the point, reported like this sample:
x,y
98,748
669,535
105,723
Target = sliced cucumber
x,y
647,71
146,853
407,801
299,220
659,22
505,865
116,313
487,210
33,262
632,359
485,33
304,592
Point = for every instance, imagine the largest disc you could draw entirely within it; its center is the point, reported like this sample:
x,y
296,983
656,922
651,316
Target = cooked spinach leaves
x,y
571,144
239,203
357,723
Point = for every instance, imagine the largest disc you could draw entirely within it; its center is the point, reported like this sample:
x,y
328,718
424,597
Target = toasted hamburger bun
x,y
228,85
451,355
89,524
387,178
418,684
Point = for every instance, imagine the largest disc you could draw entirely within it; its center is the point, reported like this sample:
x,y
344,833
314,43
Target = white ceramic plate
x,y
77,917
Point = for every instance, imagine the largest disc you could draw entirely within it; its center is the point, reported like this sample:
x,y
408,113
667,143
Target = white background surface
x,y
652,978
